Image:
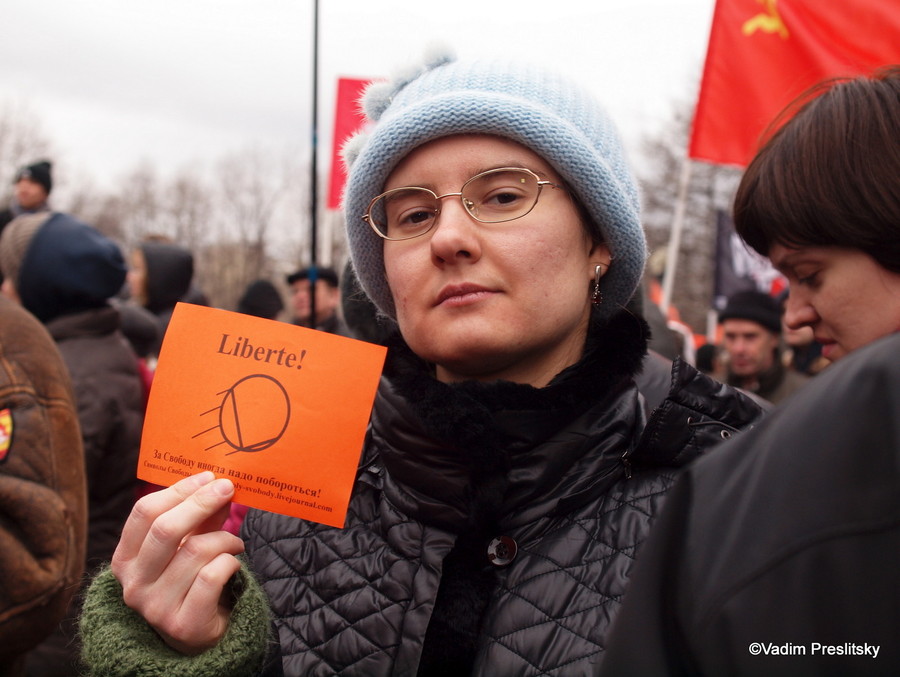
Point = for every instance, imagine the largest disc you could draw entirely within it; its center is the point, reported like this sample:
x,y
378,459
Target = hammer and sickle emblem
x,y
768,22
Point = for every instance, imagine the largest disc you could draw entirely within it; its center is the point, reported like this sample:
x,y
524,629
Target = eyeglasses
x,y
494,196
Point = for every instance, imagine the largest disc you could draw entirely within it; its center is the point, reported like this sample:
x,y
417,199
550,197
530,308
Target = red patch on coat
x,y
6,430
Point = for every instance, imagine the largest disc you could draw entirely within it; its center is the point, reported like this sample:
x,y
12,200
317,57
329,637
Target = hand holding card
x,y
278,409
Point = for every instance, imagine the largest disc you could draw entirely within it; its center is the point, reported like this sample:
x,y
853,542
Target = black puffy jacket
x,y
493,527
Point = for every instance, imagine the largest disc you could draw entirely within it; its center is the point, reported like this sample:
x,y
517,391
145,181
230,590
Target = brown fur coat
x,y
42,487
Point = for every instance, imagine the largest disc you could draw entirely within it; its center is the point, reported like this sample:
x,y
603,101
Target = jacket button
x,y
502,551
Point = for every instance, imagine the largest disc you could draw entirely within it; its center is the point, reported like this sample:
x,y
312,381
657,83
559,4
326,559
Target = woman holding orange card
x,y
509,475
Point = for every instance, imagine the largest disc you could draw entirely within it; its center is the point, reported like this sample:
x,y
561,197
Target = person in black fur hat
x,y
509,473
751,341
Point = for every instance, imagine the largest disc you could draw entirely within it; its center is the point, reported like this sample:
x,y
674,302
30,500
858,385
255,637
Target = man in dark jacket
x,y
321,285
32,186
777,555
63,272
43,507
751,338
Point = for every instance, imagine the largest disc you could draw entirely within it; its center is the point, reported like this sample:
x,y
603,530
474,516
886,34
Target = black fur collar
x,y
461,413
475,428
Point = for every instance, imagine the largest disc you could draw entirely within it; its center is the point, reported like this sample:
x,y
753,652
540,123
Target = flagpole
x,y
313,190
674,248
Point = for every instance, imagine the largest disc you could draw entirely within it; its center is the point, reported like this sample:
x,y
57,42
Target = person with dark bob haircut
x,y
830,177
777,555
829,183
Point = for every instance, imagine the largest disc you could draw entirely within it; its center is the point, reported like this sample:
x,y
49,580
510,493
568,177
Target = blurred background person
x,y
360,315
328,299
751,343
142,330
64,272
31,191
43,501
261,299
709,361
160,276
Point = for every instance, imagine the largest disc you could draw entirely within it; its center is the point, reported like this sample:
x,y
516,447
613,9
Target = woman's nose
x,y
798,312
455,234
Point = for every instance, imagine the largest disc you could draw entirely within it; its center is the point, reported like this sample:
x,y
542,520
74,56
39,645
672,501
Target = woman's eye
x,y
413,217
501,198
418,217
505,198
807,279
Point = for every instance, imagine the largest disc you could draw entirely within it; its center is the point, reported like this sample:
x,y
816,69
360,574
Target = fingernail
x,y
222,487
205,477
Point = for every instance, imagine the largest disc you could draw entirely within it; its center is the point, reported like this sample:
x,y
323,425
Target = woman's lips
x,y
828,349
457,295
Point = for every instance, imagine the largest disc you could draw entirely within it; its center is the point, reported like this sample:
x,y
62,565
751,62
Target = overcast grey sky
x,y
183,82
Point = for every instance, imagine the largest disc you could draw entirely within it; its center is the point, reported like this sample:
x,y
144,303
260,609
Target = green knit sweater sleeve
x,y
117,641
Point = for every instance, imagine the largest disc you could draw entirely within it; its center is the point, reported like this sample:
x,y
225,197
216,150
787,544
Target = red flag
x,y
348,119
762,54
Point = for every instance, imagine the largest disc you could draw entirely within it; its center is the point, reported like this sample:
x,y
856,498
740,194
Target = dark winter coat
x,y
493,527
778,554
6,216
776,383
43,509
109,397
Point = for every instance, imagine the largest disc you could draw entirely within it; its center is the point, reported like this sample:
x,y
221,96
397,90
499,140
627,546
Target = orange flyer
x,y
279,409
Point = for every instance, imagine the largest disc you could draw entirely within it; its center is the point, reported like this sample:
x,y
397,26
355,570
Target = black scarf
x,y
464,415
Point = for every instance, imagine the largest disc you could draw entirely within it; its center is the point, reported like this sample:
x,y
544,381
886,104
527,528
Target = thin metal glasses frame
x,y
367,217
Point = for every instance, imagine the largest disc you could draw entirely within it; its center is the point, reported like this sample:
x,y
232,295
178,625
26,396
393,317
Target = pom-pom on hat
x,y
551,116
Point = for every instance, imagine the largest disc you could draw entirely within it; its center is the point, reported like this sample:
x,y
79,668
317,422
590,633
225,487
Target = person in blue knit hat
x,y
509,474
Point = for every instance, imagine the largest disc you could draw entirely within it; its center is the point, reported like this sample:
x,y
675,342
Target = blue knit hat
x,y
549,115
68,267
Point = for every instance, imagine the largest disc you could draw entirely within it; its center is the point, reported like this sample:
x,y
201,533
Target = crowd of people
x,y
545,487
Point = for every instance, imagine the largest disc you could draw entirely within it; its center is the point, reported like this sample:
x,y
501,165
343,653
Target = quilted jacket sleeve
x,y
117,641
42,487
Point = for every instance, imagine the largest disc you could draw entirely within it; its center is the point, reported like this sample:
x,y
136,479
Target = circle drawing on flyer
x,y
241,431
